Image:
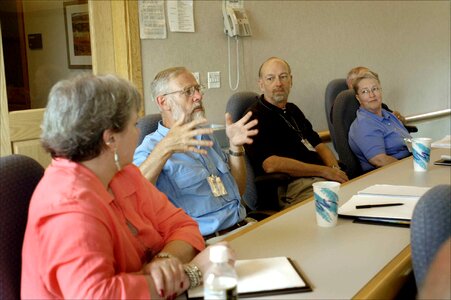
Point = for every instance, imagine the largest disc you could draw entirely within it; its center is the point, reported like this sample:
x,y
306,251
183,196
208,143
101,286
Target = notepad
x,y
443,143
384,194
263,277
394,190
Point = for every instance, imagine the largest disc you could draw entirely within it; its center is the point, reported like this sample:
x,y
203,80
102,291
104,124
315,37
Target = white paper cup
x,y
326,202
421,149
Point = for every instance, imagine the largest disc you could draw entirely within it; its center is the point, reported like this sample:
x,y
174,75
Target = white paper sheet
x,y
180,15
404,211
384,194
152,21
443,143
394,190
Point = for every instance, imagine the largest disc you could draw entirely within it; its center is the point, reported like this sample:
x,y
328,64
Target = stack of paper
x,y
383,203
443,143
264,276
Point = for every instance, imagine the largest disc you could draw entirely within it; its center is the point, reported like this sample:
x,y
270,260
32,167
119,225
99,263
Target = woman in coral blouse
x,y
96,227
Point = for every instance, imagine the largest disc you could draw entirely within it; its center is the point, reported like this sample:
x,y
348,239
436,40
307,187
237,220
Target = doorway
x,y
15,56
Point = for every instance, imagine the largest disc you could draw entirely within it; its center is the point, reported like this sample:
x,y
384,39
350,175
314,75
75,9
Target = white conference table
x,y
350,260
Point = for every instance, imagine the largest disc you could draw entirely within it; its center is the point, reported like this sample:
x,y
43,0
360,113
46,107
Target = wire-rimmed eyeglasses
x,y
189,91
285,77
375,90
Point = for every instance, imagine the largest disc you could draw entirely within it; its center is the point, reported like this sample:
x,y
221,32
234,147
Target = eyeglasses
x,y
189,91
374,90
282,78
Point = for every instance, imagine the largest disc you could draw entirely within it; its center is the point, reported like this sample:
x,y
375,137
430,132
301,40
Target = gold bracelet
x,y
194,275
233,153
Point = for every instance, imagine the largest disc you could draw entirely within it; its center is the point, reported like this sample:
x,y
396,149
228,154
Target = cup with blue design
x,y
421,150
326,202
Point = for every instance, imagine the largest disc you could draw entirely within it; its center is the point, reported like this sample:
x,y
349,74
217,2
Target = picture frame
x,y
76,18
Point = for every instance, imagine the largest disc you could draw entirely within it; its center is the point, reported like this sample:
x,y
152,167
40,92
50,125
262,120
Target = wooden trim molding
x,y
116,45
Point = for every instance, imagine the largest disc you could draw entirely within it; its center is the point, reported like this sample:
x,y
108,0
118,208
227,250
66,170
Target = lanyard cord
x,y
295,129
205,161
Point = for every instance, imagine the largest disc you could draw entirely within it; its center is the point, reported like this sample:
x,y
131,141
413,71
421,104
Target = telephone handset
x,y
236,22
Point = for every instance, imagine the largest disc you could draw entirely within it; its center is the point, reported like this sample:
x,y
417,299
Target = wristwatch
x,y
239,153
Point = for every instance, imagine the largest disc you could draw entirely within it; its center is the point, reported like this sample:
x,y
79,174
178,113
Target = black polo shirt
x,y
280,132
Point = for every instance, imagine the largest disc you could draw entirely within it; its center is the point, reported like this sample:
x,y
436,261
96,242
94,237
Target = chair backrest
x,y
344,113
430,228
239,102
19,177
147,125
237,105
332,90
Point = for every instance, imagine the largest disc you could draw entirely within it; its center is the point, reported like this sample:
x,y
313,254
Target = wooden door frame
x,y
114,29
115,46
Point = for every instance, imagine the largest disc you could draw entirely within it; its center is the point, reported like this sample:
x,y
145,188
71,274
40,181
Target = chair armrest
x,y
411,128
274,177
268,190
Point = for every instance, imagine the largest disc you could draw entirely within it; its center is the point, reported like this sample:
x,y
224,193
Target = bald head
x,y
271,59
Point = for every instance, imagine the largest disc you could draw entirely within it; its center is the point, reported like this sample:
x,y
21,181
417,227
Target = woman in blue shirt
x,y
376,136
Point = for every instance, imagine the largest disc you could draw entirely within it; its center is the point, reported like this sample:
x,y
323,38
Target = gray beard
x,y
177,113
279,98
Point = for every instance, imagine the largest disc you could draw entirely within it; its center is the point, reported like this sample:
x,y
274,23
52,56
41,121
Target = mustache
x,y
199,105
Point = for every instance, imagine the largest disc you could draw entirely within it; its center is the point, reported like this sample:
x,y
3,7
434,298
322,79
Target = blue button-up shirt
x,y
184,180
370,135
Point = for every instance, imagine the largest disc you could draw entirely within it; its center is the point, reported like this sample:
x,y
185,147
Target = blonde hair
x,y
366,75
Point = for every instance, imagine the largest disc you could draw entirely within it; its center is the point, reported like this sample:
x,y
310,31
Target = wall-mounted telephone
x,y
236,22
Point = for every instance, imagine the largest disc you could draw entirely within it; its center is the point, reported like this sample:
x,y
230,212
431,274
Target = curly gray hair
x,y
80,109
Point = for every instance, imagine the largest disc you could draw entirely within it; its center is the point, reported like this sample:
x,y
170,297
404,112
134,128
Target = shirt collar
x,y
271,106
385,114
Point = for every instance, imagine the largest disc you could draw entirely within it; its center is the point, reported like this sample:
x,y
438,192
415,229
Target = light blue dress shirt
x,y
184,180
370,135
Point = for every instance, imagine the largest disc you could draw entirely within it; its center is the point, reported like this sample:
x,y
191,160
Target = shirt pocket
x,y
193,193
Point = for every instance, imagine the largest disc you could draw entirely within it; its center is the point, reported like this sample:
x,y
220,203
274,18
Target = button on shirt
x,y
370,135
184,180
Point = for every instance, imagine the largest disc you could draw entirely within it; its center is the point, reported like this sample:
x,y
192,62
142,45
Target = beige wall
x,y
47,65
406,42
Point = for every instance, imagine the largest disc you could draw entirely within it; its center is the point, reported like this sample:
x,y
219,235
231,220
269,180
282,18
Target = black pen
x,y
378,205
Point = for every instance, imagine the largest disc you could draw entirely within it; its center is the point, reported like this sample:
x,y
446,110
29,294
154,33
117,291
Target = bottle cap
x,y
218,254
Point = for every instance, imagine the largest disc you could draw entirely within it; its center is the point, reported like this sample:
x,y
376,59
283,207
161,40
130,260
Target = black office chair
x,y
19,176
430,228
344,113
147,125
332,90
261,195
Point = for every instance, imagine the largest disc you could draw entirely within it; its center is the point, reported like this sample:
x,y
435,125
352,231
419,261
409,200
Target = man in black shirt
x,y
286,141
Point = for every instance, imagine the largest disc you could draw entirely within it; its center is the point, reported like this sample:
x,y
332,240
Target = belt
x,y
224,231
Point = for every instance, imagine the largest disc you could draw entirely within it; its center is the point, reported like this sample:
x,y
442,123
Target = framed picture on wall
x,y
76,17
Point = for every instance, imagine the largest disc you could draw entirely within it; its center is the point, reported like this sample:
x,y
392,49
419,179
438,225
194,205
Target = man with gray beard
x,y
185,161
286,142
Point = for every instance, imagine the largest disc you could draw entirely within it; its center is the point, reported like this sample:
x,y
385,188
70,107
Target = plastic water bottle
x,y
220,280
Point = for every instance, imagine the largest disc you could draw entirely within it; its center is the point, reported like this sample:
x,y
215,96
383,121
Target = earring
x,y
116,160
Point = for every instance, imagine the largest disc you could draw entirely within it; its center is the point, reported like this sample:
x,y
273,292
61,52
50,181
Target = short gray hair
x,y
80,109
159,85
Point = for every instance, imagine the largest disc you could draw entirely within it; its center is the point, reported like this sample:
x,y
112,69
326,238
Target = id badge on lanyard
x,y
216,186
308,145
